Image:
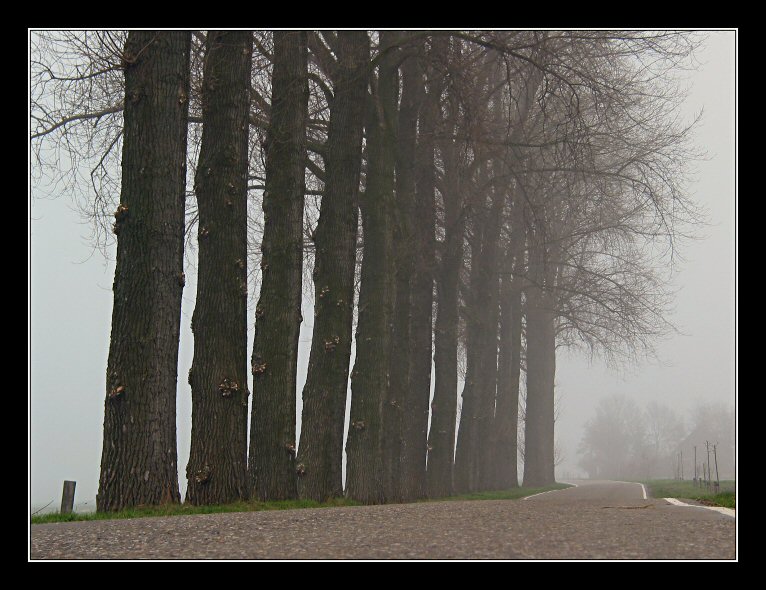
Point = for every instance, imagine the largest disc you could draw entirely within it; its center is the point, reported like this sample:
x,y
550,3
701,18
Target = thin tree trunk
x,y
370,379
465,447
139,463
485,451
320,456
217,468
278,313
505,427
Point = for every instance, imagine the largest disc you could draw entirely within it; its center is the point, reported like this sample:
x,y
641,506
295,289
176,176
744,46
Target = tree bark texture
x,y
139,463
441,436
278,317
217,468
320,455
416,405
365,475
395,450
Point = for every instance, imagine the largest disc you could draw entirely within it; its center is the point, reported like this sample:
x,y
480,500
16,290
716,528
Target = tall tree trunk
x,y
217,468
139,461
395,409
441,436
541,372
505,426
465,470
278,313
481,371
414,483
320,455
369,379
484,450
491,259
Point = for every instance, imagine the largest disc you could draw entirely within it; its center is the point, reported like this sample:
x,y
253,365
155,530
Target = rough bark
x,y
139,463
414,484
320,454
278,317
441,436
396,407
217,468
370,377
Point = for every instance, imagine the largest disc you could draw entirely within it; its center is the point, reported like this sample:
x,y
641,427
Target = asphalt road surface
x,y
595,520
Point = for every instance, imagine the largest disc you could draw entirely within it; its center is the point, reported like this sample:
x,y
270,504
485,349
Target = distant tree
x,y
614,440
506,423
665,431
139,457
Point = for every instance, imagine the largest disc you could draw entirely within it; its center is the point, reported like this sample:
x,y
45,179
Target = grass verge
x,y
683,489
181,509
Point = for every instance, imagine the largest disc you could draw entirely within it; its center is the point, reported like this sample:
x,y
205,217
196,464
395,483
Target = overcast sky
x,y
71,303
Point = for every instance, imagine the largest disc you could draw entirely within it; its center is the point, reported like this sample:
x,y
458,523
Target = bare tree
x,y
217,468
278,314
320,454
139,460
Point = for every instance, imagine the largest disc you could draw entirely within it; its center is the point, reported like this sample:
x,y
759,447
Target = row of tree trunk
x,y
394,113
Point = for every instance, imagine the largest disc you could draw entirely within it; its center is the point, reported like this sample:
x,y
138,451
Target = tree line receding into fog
x,y
459,204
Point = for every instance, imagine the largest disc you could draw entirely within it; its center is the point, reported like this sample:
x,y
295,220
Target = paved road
x,y
596,520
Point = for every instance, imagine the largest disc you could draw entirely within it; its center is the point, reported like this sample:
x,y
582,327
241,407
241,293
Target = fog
x,y
70,301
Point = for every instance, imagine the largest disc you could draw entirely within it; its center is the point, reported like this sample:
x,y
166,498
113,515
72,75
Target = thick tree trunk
x,y
441,436
278,312
421,254
370,378
320,456
477,413
541,372
421,325
217,468
395,409
139,463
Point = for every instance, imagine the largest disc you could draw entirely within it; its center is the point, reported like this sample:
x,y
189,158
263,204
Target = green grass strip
x,y
182,509
686,490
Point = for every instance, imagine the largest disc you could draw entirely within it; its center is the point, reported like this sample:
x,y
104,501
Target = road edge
x,y
719,509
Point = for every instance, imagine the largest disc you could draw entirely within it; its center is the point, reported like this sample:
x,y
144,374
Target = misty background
x,y
70,308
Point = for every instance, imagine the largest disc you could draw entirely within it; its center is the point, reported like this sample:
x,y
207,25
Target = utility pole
x,y
695,465
717,481
709,482
682,465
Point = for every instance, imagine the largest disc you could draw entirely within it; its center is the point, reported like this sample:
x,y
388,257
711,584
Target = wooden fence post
x,y
67,497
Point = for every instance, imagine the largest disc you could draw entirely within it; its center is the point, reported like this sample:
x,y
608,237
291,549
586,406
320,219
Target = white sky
x,y
71,302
